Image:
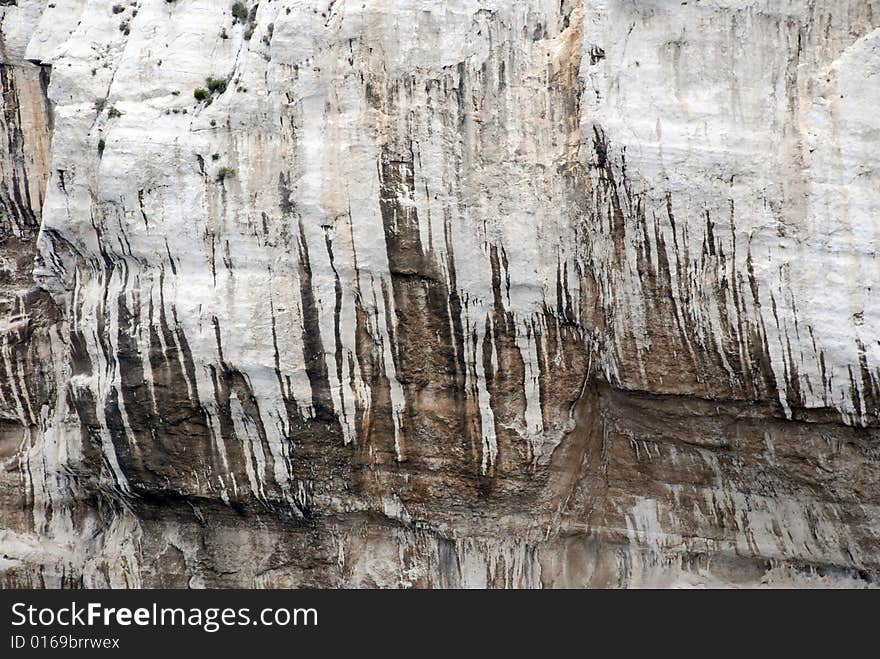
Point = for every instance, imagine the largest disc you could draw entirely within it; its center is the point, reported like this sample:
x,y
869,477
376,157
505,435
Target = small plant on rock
x,y
239,11
224,173
216,85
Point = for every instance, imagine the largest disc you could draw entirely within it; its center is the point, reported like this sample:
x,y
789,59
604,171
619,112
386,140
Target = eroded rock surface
x,y
473,293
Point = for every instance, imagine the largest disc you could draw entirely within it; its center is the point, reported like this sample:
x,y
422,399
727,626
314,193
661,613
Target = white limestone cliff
x,y
477,293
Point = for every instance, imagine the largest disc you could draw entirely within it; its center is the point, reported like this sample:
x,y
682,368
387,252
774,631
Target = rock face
x,y
439,294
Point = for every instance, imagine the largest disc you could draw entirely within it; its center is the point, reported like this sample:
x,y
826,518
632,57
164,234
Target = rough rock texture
x,y
465,293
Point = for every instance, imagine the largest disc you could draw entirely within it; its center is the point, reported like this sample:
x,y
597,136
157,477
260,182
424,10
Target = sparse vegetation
x,y
101,145
118,9
239,11
212,86
241,14
113,113
215,156
224,173
216,85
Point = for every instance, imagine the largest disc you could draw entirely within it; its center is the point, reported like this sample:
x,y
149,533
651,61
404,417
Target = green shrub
x,y
202,94
118,9
101,145
224,173
217,85
239,11
113,113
